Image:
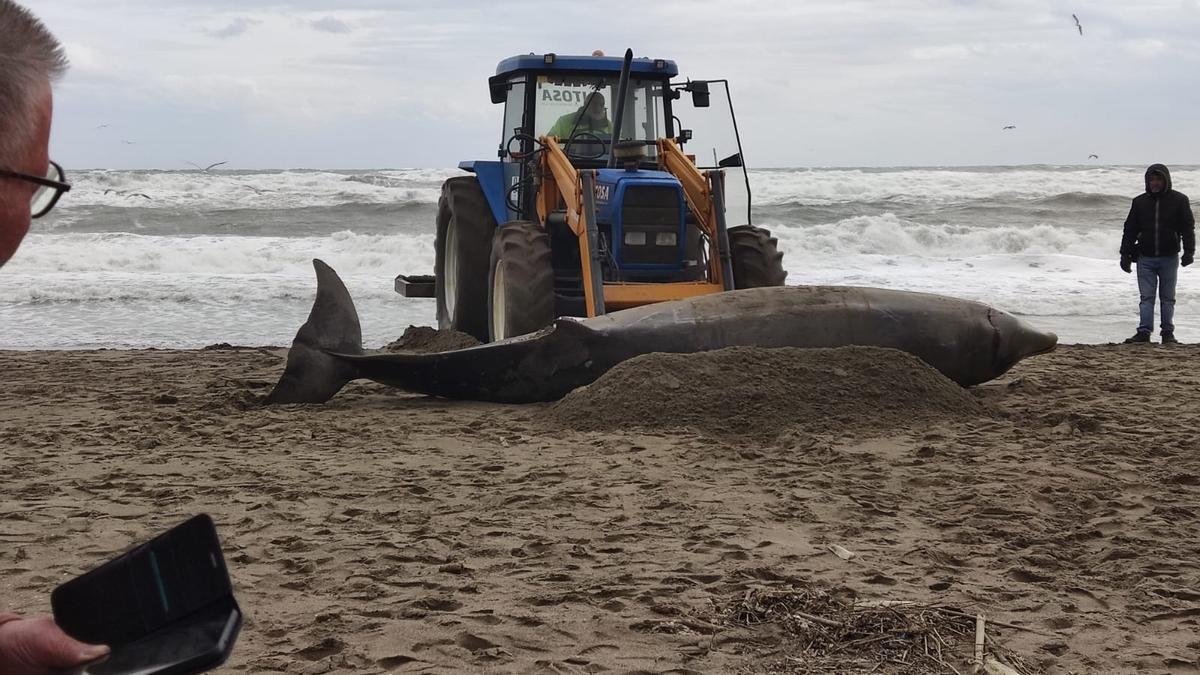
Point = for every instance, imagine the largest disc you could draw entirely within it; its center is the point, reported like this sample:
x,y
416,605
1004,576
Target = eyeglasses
x,y
51,187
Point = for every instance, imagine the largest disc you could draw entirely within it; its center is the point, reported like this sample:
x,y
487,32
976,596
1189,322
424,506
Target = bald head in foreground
x,y
30,60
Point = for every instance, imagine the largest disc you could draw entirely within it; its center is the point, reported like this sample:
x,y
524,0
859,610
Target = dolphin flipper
x,y
312,375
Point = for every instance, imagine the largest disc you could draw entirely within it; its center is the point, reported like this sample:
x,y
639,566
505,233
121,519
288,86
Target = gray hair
x,y
30,58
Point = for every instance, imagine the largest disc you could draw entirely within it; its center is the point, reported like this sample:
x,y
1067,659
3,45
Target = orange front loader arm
x,y
697,191
563,184
560,185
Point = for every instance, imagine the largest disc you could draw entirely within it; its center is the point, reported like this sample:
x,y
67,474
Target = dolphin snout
x,y
1037,342
1017,339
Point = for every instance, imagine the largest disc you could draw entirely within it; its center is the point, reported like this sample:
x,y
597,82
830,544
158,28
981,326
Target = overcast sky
x,y
394,83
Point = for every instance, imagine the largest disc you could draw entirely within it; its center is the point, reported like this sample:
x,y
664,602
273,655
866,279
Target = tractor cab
x,y
591,204
574,99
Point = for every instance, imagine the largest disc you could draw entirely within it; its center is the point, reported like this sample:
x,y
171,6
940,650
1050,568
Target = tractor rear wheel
x,y
462,245
757,261
522,280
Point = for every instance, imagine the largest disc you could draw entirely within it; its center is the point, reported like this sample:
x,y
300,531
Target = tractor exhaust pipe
x,y
618,116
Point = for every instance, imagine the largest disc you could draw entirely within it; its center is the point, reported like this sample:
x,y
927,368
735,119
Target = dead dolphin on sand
x,y
967,341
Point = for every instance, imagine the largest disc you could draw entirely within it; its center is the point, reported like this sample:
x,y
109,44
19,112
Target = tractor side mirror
x,y
498,86
699,91
731,161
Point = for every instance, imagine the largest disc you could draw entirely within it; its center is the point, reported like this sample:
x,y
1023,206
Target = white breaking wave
x,y
819,187
221,190
253,190
888,234
132,254
88,268
1043,270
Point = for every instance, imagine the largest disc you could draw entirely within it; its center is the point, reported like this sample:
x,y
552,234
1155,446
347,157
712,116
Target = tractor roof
x,y
605,64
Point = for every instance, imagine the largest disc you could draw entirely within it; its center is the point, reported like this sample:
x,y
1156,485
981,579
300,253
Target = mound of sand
x,y
758,393
426,340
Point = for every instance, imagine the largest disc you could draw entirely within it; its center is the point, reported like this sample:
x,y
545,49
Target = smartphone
x,y
165,607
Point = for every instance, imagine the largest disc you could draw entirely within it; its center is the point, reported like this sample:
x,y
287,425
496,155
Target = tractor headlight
x,y
635,238
665,239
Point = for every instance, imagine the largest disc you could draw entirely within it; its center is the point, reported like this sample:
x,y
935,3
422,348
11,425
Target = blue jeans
x,y
1160,272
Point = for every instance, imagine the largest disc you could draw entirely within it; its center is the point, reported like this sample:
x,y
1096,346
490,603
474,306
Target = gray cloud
x,y
235,28
330,24
854,82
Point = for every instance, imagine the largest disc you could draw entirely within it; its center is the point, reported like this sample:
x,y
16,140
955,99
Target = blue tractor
x,y
583,213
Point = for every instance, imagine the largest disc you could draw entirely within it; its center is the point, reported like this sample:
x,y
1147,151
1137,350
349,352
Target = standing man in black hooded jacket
x,y
1159,220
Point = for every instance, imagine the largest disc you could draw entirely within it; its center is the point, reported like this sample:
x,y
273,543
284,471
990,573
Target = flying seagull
x,y
206,168
1077,24
1093,156
103,126
1011,126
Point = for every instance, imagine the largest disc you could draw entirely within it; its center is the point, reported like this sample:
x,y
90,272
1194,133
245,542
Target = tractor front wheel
x,y
462,245
757,261
521,280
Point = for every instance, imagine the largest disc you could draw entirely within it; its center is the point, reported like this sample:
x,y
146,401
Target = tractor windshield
x,y
580,109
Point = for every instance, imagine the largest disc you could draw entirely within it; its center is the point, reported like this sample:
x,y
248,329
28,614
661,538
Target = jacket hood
x,y
1161,170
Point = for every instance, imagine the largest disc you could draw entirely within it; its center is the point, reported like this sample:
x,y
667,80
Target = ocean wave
x,y
889,234
83,253
221,190
165,323
177,291
1084,199
819,187
296,222
412,252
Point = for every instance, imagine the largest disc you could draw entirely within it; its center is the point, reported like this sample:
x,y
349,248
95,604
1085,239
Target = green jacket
x,y
562,127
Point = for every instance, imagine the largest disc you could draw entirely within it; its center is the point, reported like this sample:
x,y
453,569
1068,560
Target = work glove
x,y
1186,259
1126,263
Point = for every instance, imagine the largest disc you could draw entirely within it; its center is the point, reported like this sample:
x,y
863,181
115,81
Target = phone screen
x,y
163,607
147,588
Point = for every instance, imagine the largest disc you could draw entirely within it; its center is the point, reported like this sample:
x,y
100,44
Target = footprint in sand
x,y
1086,601
391,662
599,648
474,642
325,647
1027,576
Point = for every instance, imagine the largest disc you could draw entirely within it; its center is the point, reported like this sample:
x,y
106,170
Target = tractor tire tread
x,y
529,274
757,261
462,200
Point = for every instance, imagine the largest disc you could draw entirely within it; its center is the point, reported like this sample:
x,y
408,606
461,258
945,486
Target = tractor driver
x,y
591,118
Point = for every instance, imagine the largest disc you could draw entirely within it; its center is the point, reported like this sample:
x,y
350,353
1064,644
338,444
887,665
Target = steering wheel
x,y
585,137
519,155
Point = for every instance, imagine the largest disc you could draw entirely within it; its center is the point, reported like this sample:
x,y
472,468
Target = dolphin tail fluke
x,y
313,374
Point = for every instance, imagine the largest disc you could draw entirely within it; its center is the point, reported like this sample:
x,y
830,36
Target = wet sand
x,y
386,532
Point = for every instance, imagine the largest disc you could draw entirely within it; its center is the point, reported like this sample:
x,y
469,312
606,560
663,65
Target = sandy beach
x,y
660,532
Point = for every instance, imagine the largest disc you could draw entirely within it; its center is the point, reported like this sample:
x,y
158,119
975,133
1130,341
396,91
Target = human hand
x,y
1126,263
37,646
1186,259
